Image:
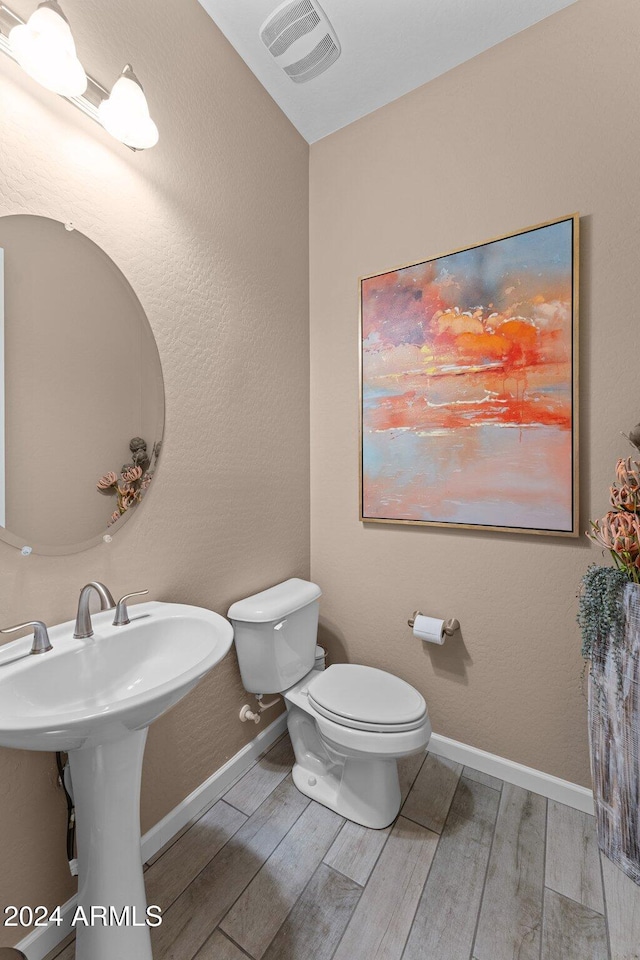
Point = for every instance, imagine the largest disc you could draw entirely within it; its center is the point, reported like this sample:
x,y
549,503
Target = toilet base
x,y
351,771
348,790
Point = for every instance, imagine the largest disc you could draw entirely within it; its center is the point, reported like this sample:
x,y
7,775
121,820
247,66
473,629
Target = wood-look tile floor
x,y
472,869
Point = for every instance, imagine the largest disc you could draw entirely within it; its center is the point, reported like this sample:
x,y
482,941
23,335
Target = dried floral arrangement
x,y
600,612
133,481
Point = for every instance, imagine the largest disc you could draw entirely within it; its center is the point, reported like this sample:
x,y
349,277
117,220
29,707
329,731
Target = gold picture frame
x,y
538,337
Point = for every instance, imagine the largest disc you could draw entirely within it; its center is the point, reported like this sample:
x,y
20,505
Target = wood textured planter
x,y
614,728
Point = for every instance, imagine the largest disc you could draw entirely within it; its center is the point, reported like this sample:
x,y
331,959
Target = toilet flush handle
x,y
280,625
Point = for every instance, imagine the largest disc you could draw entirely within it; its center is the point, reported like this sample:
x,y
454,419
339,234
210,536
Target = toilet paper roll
x,y
430,629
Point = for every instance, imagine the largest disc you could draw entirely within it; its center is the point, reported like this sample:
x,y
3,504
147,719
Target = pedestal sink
x,y
95,700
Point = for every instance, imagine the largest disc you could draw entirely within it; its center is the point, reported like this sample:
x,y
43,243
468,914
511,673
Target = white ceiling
x,y
389,47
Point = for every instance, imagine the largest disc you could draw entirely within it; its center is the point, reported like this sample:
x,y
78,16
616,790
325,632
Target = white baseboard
x,y
37,944
553,788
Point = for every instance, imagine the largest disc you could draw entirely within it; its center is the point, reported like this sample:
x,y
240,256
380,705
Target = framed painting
x,y
469,387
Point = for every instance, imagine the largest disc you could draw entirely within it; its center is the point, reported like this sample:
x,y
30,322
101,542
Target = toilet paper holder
x,y
450,626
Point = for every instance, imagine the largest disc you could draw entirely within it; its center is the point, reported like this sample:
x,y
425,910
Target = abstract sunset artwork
x,y
469,386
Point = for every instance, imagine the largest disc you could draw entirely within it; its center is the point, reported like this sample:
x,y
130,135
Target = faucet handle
x,y
41,642
121,618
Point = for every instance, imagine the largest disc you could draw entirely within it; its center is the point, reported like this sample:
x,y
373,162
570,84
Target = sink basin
x,y
95,699
121,679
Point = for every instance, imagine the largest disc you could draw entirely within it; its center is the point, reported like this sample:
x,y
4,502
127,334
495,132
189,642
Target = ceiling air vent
x,y
301,39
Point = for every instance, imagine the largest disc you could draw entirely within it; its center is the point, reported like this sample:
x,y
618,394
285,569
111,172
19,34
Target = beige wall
x,y
210,228
535,128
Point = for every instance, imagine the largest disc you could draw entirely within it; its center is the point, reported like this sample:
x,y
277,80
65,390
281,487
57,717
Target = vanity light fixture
x,y
125,113
45,49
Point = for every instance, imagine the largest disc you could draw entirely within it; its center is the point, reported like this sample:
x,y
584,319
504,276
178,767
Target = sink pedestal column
x,y
106,790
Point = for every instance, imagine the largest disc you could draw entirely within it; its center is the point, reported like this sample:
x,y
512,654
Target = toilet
x,y
349,724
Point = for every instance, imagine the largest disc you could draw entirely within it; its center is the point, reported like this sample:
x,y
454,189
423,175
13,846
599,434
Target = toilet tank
x,y
275,635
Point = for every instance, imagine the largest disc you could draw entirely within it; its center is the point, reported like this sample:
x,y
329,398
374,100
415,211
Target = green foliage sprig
x,y
600,609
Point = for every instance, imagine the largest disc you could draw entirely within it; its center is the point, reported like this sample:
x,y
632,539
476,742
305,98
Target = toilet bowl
x,y
348,729
348,724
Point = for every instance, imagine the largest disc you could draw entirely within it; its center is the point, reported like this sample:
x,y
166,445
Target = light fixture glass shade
x,y
44,48
125,114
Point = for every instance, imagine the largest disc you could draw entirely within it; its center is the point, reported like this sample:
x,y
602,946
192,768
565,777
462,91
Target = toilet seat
x,y
364,698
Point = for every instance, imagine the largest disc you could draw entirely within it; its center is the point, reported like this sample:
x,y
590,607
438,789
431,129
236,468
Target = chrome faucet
x,y
84,628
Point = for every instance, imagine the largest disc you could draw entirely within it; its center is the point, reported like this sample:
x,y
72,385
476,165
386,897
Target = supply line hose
x,y
71,819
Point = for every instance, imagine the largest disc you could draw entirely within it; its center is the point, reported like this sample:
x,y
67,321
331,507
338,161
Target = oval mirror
x,y
81,429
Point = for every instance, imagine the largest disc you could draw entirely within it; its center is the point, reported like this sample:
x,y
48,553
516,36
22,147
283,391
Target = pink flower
x,y
109,480
628,473
114,516
132,474
620,533
624,497
128,498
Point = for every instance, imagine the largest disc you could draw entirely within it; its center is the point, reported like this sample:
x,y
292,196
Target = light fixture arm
x,y
127,72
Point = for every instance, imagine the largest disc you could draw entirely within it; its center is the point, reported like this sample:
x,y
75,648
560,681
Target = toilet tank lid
x,y
276,602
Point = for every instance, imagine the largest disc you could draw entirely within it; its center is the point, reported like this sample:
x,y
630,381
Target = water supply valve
x,y
246,713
